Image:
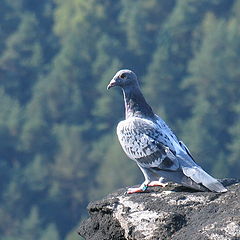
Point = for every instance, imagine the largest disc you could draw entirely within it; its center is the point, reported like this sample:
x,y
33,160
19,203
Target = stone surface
x,y
172,212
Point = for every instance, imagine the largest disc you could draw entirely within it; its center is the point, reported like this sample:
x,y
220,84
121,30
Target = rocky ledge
x,y
172,212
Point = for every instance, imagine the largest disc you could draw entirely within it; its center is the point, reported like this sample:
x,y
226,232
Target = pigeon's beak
x,y
112,83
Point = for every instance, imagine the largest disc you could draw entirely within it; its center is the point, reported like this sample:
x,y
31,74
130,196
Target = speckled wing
x,y
145,142
165,128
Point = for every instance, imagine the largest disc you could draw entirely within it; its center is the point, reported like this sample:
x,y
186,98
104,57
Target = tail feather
x,y
198,175
180,178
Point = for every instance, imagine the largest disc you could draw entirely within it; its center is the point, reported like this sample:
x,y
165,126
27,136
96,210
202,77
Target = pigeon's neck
x,y
135,103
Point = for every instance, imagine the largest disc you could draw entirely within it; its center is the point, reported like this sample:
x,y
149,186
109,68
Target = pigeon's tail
x,y
199,176
180,178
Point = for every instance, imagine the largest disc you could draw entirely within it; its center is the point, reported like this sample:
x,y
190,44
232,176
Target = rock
x,y
173,212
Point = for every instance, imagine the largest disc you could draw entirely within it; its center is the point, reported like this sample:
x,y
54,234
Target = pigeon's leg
x,y
142,188
149,177
151,180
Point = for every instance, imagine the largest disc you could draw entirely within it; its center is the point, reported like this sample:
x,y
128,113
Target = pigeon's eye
x,y
123,75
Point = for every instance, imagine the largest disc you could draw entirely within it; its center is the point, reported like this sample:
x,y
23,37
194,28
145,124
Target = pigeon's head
x,y
123,78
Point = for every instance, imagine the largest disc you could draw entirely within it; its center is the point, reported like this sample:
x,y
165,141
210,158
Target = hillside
x,y
59,149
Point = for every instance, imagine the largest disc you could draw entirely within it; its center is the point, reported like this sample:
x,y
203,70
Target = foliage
x,y
58,145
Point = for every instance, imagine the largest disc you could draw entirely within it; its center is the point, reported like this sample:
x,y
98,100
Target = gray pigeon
x,y
148,141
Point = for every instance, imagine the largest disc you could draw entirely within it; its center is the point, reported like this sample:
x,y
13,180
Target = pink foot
x,y
144,187
135,190
157,184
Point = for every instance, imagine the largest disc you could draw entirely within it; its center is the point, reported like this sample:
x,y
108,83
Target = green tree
x,y
50,233
21,59
58,145
233,164
213,92
141,21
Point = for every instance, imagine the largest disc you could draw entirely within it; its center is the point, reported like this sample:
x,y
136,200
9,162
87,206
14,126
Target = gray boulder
x,y
173,212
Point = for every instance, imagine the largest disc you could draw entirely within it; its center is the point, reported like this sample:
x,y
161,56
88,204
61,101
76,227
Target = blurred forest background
x,y
58,145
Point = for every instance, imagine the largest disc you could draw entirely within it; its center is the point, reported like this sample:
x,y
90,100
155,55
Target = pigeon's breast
x,y
134,141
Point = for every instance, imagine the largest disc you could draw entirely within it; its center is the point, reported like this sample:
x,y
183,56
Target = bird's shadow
x,y
226,182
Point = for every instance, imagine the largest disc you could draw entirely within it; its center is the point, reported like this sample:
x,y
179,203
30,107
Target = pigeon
x,y
146,139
